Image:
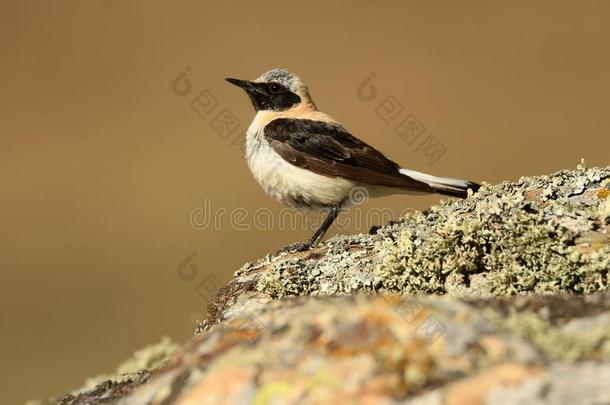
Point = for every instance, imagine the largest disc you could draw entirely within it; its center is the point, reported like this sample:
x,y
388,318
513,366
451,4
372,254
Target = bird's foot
x,y
295,247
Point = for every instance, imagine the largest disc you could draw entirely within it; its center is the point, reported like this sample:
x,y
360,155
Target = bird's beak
x,y
255,91
244,84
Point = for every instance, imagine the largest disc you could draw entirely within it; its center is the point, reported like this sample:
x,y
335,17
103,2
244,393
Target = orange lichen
x,y
603,193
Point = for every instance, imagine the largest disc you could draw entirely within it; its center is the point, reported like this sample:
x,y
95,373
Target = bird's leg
x,y
317,237
328,221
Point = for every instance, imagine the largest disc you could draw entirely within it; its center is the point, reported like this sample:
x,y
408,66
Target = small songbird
x,y
305,158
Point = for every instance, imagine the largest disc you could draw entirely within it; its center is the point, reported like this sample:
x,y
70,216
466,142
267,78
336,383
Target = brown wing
x,y
328,149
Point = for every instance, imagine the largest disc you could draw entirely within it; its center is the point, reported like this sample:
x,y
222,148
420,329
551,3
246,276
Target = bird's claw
x,y
295,247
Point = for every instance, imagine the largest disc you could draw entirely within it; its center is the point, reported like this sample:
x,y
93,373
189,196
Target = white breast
x,y
287,183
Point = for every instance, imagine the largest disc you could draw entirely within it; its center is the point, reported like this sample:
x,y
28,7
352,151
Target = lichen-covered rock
x,y
390,349
545,234
499,298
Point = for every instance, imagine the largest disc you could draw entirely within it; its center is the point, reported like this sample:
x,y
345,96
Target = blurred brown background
x,y
102,163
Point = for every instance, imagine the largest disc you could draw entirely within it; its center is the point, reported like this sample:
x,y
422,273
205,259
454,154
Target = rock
x,y
387,349
546,235
499,298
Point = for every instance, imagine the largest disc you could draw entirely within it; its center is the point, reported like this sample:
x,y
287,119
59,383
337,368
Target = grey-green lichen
x,y
341,271
579,339
544,234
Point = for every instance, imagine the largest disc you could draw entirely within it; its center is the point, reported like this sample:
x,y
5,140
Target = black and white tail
x,y
443,185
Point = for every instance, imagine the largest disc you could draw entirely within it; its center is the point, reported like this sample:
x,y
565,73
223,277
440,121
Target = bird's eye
x,y
275,88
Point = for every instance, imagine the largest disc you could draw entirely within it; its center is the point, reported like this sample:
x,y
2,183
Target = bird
x,y
305,158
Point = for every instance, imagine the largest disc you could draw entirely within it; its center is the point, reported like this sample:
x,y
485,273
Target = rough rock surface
x,y
500,298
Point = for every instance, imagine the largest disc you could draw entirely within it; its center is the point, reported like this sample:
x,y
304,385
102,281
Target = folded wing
x,y
328,149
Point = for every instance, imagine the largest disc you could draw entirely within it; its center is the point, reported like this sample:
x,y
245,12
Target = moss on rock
x,y
544,234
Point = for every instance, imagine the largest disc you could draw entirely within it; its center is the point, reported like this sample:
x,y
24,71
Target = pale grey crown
x,y
284,77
